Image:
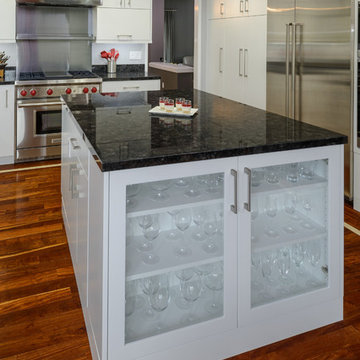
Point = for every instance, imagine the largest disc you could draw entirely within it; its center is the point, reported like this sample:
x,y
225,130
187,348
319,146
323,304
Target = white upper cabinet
x,y
130,4
234,8
124,25
7,23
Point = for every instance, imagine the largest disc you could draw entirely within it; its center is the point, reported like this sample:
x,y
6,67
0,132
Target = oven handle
x,y
40,104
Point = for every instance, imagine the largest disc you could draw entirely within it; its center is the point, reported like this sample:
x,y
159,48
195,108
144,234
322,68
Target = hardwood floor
x,y
40,313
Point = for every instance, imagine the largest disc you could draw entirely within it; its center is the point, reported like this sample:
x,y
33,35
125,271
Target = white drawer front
x,y
122,86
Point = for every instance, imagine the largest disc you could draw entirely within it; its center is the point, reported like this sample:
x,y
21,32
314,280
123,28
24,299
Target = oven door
x,y
38,123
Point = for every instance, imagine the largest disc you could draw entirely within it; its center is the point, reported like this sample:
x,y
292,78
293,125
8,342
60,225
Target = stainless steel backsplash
x,y
54,38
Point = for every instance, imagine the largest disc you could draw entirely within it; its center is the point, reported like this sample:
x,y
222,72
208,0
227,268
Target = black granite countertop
x,y
124,73
9,76
122,135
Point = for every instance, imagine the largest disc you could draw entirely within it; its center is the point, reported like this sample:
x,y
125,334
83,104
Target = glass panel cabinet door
x,y
289,230
179,255
291,238
174,254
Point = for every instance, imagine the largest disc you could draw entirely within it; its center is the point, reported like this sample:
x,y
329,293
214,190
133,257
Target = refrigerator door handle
x,y
287,68
220,59
246,60
293,69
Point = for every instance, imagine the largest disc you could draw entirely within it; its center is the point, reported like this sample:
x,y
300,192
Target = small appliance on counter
x,y
111,58
3,63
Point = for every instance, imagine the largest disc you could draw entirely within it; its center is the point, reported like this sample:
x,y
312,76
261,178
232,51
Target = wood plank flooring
x,y
40,313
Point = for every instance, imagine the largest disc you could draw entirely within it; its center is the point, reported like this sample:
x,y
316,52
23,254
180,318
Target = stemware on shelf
x,y
292,172
199,217
182,221
210,229
149,286
183,275
257,177
131,192
271,205
151,231
283,262
214,281
173,234
159,190
160,299
193,188
272,174
191,291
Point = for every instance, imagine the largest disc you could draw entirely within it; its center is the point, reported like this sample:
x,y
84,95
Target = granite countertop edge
x,y
201,156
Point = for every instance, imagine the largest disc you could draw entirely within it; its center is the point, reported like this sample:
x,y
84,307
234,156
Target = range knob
x,y
50,91
68,91
86,90
33,92
94,90
23,92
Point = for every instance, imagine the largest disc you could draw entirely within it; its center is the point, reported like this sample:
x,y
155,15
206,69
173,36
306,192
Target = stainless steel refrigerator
x,y
309,66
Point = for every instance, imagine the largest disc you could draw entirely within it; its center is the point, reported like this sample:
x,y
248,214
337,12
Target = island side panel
x,y
96,315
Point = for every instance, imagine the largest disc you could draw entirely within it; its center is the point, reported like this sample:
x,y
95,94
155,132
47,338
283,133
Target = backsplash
x,y
10,50
129,53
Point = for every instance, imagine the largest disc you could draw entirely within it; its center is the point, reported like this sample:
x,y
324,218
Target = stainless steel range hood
x,y
87,3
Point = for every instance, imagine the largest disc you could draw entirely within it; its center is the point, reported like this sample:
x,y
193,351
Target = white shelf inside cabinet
x,y
144,205
172,318
286,185
169,261
262,241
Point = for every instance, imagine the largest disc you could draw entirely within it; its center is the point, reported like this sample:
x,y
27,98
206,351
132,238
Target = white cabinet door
x,y
201,251
254,61
218,9
234,55
7,124
216,63
81,193
256,7
127,25
131,85
291,239
138,4
112,3
7,23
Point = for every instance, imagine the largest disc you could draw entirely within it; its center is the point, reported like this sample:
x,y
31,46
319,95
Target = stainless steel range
x,y
38,116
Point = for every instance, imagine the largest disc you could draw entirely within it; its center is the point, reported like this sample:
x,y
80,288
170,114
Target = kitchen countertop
x,y
124,73
9,76
122,135
175,68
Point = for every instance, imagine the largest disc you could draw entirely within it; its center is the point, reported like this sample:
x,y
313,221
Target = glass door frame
x,y
117,250
249,315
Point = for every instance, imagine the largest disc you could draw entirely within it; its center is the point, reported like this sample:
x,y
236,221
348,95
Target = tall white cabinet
x,y
204,259
8,21
236,51
7,109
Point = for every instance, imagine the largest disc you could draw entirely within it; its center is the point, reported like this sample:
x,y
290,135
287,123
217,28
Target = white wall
x,y
10,50
124,51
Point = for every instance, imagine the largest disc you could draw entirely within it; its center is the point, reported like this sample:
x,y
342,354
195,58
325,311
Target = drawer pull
x,y
74,145
131,87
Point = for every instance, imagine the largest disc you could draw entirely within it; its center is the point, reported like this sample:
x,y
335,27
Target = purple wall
x,y
156,49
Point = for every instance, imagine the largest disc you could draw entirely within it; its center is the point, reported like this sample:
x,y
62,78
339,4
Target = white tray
x,y
157,111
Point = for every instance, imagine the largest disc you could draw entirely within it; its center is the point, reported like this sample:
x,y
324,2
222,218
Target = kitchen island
x,y
203,237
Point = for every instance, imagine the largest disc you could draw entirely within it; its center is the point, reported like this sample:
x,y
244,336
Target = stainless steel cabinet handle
x,y
234,207
131,87
220,60
247,205
222,6
129,36
241,54
246,60
7,98
247,6
287,68
293,69
129,3
241,6
73,144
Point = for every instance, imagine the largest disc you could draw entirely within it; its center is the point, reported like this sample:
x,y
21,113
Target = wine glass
x,y
193,190
173,233
314,253
160,300
271,205
272,175
267,263
183,275
213,183
298,256
130,297
199,216
131,192
159,188
182,182
150,234
257,177
210,229
191,291
149,287
292,172
214,281
283,262
182,221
